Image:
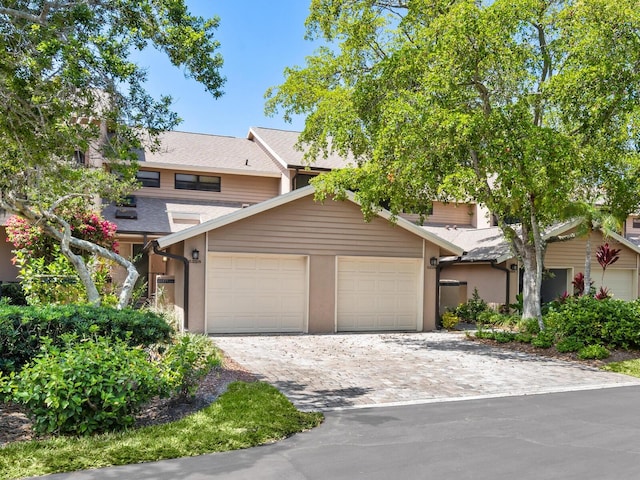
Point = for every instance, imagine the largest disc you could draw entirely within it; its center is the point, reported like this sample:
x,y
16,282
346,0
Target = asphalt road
x,y
589,434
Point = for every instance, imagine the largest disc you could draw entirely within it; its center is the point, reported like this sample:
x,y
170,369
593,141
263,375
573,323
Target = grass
x,y
628,367
246,415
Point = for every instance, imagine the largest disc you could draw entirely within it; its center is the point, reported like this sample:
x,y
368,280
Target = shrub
x,y
22,328
188,360
569,344
450,320
90,386
13,293
591,352
470,310
529,325
544,339
608,322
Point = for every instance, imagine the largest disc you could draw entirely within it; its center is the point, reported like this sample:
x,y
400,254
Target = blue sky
x,y
259,38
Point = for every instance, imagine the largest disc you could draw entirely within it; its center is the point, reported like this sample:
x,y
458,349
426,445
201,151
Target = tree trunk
x,y
531,283
587,265
93,296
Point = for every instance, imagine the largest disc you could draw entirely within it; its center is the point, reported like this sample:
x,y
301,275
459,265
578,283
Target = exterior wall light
x,y
433,261
195,254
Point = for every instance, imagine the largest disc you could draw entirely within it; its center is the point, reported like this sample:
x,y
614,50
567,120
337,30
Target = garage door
x,y
378,294
256,293
619,282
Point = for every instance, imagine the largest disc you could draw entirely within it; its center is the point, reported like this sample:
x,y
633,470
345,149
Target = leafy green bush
x,y
611,322
13,292
529,325
90,386
22,328
544,339
569,344
470,310
591,352
188,360
450,320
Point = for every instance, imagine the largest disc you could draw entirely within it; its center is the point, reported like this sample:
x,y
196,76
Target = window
x,y
301,180
197,182
636,222
148,178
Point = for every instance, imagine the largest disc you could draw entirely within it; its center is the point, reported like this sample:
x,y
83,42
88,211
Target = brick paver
x,y
355,370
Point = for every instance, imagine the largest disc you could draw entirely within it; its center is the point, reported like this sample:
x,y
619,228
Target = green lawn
x,y
246,415
628,367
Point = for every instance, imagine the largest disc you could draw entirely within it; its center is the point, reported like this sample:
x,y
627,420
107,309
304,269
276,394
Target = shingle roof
x,y
164,216
481,244
197,150
281,144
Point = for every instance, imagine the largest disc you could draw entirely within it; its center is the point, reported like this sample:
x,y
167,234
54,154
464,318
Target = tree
x,y
68,87
504,103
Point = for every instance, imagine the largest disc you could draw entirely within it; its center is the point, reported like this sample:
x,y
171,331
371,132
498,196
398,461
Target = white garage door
x,y
378,294
619,282
256,293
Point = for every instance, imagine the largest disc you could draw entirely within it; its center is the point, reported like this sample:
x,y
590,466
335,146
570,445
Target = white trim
x,y
253,135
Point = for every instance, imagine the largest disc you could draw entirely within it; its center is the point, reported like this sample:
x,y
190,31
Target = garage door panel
x,y
378,294
256,293
619,282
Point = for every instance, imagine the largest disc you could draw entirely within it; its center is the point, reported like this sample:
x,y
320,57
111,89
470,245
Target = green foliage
x,y
188,360
591,352
13,293
23,328
529,325
611,322
544,339
471,310
569,344
246,415
91,386
450,320
522,106
628,367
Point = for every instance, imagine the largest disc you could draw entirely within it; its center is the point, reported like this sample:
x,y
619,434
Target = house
x,y
226,230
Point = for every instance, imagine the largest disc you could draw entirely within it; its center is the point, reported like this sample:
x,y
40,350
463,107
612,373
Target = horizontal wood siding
x,y
461,214
571,254
309,228
233,188
629,229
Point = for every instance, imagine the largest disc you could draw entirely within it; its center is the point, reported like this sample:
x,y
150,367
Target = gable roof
x,y
213,224
490,245
215,153
280,145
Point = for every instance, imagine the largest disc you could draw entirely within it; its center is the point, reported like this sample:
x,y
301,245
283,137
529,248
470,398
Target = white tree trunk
x,y
587,266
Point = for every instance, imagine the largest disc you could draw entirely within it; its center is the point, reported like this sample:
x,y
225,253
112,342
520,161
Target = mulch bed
x,y
16,427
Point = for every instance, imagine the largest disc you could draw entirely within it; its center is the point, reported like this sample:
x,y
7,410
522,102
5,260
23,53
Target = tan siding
x,y
461,214
571,254
629,226
234,188
491,283
306,227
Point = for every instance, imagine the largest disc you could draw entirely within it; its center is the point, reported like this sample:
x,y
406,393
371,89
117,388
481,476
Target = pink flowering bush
x,y
46,275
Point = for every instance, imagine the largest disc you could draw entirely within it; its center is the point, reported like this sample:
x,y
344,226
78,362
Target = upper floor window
x,y
207,183
78,156
148,178
636,222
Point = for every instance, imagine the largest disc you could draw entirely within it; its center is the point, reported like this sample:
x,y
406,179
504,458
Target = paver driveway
x,y
355,370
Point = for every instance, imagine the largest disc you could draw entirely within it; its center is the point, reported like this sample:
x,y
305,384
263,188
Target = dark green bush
x,y
611,322
569,344
86,387
22,328
544,339
13,293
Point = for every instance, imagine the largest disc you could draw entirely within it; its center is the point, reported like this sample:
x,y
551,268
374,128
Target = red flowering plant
x,y
606,256
46,275
578,284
